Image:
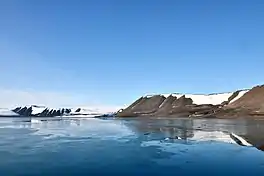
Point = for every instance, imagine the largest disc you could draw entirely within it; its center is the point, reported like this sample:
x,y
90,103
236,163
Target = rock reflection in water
x,y
250,130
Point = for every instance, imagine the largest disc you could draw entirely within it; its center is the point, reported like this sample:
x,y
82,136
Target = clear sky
x,y
113,51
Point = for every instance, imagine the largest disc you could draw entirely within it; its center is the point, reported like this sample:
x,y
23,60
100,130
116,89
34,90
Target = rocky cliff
x,y
42,111
232,104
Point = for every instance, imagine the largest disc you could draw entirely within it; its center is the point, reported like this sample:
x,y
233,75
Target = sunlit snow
x,y
199,99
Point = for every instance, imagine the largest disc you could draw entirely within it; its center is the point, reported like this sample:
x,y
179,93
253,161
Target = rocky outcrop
x,y
38,111
42,111
234,104
23,111
161,106
78,110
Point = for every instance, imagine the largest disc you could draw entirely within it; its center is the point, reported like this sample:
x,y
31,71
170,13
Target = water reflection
x,y
158,129
250,130
71,127
125,146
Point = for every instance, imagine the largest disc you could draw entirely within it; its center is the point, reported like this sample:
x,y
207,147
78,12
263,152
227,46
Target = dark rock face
x,y
62,111
28,112
50,113
44,113
78,110
58,113
16,109
22,111
67,111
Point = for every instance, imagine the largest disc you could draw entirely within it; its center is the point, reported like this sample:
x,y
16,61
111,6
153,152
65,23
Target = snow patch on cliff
x,y
213,99
37,109
199,99
94,110
240,94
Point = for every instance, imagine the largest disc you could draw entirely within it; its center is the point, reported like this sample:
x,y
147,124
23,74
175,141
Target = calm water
x,y
128,147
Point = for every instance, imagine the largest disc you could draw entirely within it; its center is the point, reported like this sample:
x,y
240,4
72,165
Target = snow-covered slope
x,y
213,99
37,109
93,110
240,94
87,111
207,99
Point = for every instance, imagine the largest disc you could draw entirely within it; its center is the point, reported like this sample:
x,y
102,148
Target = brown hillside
x,y
166,106
176,106
143,107
250,104
252,100
138,101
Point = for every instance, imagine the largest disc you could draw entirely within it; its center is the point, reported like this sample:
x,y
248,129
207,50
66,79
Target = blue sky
x,y
113,51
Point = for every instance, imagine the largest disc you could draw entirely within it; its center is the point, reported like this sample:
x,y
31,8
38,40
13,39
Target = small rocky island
x,y
240,103
43,111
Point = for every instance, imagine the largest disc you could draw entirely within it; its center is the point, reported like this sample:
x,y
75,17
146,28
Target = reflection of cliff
x,y
163,128
78,128
183,128
201,129
254,132
251,130
226,125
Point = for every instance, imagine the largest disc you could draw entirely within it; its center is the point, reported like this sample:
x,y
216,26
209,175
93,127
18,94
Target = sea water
x,y
88,146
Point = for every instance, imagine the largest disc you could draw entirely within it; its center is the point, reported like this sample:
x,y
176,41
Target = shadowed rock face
x,y
44,113
250,104
22,111
67,111
78,110
16,109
